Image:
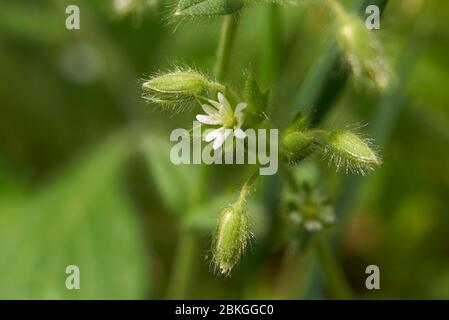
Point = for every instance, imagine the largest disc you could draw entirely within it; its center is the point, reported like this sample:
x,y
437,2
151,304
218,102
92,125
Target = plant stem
x,y
247,186
182,265
227,35
336,279
293,267
272,49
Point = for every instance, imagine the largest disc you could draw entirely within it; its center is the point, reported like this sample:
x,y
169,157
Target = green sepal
x,y
257,102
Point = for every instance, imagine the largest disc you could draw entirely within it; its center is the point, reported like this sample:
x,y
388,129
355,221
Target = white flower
x,y
220,113
312,220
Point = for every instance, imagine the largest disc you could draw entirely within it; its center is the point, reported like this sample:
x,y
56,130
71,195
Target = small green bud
x,y
257,102
208,7
297,142
362,49
231,238
177,88
296,146
299,123
232,234
345,148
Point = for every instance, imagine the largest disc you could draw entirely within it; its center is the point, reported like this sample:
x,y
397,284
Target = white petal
x,y
328,216
222,99
240,107
221,139
239,133
313,225
214,134
207,119
225,107
209,109
239,114
216,104
295,217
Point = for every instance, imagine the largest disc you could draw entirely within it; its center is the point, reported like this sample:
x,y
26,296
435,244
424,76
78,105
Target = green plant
x,y
300,138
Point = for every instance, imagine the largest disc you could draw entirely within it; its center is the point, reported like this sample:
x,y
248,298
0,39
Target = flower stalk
x,y
226,42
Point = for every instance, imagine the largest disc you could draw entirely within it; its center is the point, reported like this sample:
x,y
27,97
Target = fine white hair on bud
x,y
231,238
361,48
232,234
177,88
348,150
194,8
297,141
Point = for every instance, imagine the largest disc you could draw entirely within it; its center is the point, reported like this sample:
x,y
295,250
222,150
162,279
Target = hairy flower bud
x,y
233,233
231,238
297,142
177,88
347,149
208,7
361,48
296,146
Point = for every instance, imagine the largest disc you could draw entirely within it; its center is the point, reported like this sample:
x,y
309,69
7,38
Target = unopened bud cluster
x,y
344,148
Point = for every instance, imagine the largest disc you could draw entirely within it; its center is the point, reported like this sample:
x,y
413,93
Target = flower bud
x,y
177,88
231,237
296,146
208,7
296,142
362,50
345,148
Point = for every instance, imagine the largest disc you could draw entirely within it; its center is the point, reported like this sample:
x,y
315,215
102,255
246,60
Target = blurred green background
x,y
85,177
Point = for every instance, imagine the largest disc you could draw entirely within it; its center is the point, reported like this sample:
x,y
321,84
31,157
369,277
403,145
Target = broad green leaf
x,y
205,215
179,186
82,218
208,7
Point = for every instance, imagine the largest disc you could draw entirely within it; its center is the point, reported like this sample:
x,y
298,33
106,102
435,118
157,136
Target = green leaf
x,y
179,186
257,102
208,7
82,218
205,215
